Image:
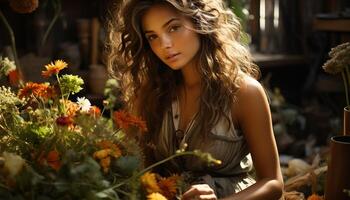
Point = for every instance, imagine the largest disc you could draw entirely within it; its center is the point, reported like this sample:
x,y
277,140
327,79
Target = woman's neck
x,y
191,77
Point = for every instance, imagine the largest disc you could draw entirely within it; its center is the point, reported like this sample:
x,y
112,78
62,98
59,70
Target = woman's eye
x,y
151,37
174,28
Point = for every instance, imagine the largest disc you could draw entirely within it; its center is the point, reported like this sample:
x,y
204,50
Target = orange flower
x,y
65,121
101,154
109,150
54,68
53,160
95,111
24,6
105,163
125,120
315,197
40,90
168,186
71,107
14,77
149,181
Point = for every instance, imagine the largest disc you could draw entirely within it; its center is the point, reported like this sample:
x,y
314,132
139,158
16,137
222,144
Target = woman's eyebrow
x,y
164,25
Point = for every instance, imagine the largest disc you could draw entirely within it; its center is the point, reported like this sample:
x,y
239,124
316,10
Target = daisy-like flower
x,y
24,6
7,66
168,186
84,104
125,120
54,68
149,182
156,196
41,90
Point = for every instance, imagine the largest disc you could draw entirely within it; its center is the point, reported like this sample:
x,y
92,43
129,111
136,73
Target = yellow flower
x,y
54,68
101,154
149,181
24,6
156,196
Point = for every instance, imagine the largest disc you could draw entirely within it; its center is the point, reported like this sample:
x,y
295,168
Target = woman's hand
x,y
200,191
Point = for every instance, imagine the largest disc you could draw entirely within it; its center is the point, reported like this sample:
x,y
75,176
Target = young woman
x,y
184,71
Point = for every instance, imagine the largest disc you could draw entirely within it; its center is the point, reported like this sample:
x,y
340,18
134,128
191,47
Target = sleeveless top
x,y
223,142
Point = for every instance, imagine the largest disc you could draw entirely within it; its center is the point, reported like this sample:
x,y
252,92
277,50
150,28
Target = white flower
x,y
13,163
6,65
84,104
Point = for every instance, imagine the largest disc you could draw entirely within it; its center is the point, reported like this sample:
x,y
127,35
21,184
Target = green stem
x,y
346,87
57,14
12,38
62,95
348,79
150,167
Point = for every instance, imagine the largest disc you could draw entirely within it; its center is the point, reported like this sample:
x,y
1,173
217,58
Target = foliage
x,y
54,148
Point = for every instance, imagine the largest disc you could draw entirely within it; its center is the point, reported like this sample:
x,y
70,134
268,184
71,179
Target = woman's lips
x,y
173,57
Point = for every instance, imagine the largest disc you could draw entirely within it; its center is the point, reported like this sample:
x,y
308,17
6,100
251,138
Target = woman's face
x,y
170,36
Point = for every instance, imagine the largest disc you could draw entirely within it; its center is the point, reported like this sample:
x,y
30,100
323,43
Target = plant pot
x,y
338,175
346,122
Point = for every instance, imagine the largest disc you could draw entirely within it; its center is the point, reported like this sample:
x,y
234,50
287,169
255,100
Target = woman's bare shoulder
x,y
249,87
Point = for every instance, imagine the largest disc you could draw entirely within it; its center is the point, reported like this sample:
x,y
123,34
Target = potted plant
x,y
338,174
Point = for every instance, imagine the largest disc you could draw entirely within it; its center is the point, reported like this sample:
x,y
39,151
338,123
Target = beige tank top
x,y
224,142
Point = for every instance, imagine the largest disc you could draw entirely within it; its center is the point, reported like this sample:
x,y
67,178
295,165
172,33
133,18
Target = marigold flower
x,y
54,68
149,181
53,160
156,196
315,197
102,153
41,90
24,6
168,186
71,107
125,120
64,121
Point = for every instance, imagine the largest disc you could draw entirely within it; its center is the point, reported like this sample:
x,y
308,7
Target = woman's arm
x,y
253,115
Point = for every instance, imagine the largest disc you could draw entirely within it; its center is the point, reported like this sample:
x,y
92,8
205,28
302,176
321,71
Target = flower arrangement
x,y
339,62
54,148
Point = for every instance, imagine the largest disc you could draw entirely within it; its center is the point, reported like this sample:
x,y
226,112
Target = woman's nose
x,y
166,42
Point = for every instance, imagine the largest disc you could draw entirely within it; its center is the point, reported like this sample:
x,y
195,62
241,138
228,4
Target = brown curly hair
x,y
223,60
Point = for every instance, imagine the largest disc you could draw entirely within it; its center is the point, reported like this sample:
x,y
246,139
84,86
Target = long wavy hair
x,y
145,79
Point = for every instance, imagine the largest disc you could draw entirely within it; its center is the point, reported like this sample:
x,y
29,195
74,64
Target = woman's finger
x,y
197,190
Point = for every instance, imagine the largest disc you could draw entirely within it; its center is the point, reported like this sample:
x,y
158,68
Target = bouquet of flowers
x,y
54,148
